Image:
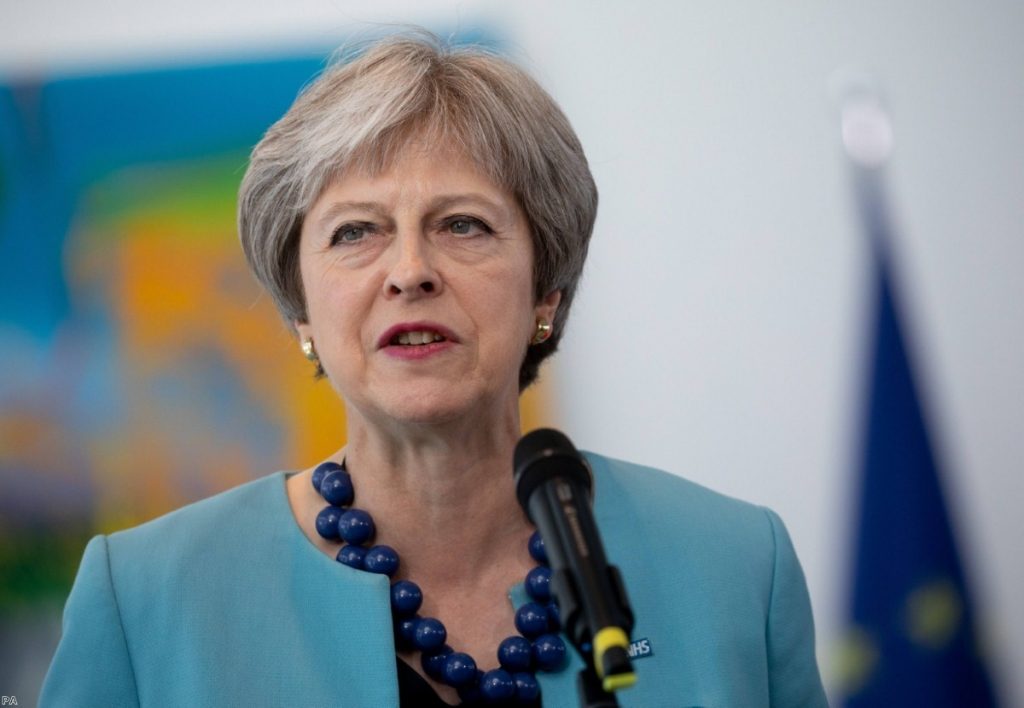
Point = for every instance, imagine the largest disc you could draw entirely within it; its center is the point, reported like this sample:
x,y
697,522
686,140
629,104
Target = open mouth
x,y
416,338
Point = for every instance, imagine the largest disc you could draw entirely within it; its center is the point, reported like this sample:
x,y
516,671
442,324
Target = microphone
x,y
554,485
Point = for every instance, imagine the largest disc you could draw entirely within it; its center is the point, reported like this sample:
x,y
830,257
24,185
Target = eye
x,y
467,226
351,233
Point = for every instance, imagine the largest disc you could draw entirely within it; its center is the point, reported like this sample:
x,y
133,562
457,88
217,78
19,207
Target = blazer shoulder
x,y
652,493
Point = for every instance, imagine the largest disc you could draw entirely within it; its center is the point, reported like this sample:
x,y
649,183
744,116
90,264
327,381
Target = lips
x,y
414,334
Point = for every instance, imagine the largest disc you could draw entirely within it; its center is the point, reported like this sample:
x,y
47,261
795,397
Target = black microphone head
x,y
542,442
543,454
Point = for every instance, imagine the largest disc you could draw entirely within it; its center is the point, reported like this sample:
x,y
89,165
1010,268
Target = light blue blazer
x,y
227,603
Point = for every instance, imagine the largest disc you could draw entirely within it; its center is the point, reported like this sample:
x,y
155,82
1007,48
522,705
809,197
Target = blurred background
x,y
725,329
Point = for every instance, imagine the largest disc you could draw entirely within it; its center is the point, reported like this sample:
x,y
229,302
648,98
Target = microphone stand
x,y
590,686
590,691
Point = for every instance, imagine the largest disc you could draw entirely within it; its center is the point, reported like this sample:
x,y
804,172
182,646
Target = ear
x,y
548,306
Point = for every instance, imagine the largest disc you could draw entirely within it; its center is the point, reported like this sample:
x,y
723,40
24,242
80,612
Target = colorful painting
x,y
142,366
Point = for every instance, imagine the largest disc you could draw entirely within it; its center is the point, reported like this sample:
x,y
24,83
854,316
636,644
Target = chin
x,y
435,403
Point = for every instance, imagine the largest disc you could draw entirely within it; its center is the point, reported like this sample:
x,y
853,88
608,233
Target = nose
x,y
412,274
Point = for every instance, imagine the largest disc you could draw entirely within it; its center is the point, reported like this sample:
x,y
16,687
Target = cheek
x,y
512,303
334,300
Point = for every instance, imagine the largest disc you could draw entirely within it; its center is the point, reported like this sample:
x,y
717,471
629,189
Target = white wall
x,y
721,326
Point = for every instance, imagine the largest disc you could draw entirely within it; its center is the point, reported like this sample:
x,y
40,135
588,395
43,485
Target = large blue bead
x,y
515,654
531,620
549,651
356,526
430,634
406,597
321,471
336,488
538,583
381,559
470,693
327,522
352,556
497,685
537,549
405,632
459,669
527,688
433,661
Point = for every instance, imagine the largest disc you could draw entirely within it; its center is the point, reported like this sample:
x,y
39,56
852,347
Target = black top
x,y
415,692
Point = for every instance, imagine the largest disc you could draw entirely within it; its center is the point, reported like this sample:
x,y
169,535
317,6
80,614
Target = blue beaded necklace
x,y
536,647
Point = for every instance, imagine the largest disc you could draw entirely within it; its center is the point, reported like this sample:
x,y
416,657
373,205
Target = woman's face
x,y
419,289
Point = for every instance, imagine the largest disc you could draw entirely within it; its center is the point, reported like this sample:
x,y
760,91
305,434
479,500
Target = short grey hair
x,y
361,114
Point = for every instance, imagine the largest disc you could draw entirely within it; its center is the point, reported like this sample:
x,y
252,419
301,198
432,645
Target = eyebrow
x,y
337,208
440,203
447,201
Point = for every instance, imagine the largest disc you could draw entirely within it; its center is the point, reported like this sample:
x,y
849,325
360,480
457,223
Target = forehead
x,y
420,170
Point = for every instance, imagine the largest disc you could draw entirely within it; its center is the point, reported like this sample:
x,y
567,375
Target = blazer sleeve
x,y
794,681
92,666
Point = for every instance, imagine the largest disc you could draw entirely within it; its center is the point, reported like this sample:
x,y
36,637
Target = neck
x,y
433,485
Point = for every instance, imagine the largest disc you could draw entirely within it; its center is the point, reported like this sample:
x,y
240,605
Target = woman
x,y
421,217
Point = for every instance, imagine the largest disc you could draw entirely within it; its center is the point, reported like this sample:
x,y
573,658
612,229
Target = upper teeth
x,y
419,337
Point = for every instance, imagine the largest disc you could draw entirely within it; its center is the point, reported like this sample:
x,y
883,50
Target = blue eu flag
x,y
912,640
